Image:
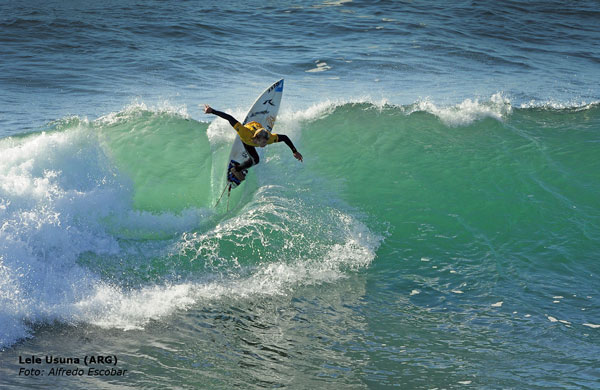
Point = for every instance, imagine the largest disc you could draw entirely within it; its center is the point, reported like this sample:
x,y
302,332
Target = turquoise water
x,y
442,232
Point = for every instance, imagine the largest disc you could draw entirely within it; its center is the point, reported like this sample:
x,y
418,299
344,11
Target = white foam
x,y
220,132
110,306
331,3
61,198
497,304
354,247
55,188
113,307
137,108
324,108
594,326
577,105
466,112
321,67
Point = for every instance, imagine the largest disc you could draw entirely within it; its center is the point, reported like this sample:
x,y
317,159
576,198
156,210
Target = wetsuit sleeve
x,y
232,120
287,140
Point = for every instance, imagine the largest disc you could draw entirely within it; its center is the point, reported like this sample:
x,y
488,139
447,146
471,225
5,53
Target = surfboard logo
x,y
278,87
257,113
269,101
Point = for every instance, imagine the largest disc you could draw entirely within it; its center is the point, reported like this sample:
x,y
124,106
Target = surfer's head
x,y
261,136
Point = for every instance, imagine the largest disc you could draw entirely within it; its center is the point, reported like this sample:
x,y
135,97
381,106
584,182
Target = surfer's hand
x,y
207,109
298,156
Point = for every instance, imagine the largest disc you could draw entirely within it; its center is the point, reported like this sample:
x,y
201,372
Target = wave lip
x,y
498,107
466,112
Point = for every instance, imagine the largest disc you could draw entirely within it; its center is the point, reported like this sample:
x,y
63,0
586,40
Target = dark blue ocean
x,y
443,231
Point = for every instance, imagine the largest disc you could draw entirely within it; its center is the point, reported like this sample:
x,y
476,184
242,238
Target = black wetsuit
x,y
255,159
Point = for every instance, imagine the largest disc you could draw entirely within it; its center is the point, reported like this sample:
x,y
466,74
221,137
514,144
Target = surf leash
x,y
222,193
228,196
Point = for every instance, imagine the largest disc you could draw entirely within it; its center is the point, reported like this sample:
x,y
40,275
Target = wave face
x,y
420,217
111,223
477,169
103,216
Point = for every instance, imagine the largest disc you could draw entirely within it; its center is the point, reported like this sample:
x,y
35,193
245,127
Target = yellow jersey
x,y
246,133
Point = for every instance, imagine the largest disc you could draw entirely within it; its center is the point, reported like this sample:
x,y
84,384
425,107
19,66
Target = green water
x,y
166,157
416,246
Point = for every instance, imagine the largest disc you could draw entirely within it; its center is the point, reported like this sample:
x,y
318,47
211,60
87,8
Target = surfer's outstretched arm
x,y
209,110
288,142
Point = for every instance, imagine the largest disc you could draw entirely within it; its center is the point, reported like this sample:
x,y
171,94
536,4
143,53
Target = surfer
x,y
253,135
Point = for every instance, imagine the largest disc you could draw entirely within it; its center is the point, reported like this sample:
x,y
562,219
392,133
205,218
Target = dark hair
x,y
264,134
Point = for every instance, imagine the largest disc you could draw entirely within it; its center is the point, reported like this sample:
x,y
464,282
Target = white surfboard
x,y
264,111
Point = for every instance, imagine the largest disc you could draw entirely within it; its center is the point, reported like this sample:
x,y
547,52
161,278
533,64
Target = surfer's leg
x,y
250,162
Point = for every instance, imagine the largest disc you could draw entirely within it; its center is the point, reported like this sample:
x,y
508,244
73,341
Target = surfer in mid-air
x,y
253,135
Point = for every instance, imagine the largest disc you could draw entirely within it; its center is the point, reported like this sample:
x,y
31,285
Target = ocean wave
x,y
465,113
111,221
498,106
462,114
84,241
55,188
